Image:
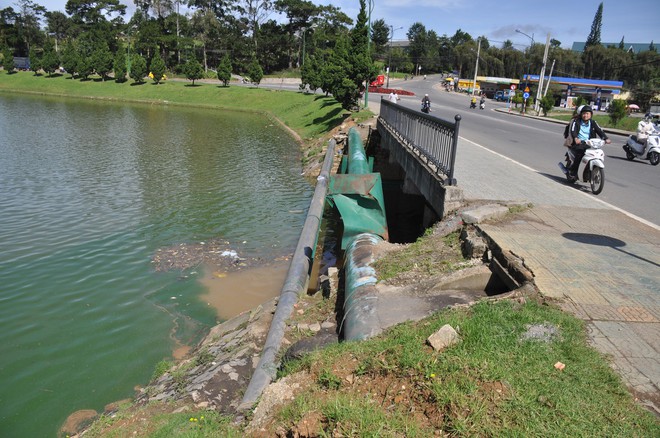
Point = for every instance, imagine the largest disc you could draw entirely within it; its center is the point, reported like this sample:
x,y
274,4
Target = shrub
x,y
617,111
547,103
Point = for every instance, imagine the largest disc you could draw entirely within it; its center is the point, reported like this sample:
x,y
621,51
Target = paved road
x,y
629,186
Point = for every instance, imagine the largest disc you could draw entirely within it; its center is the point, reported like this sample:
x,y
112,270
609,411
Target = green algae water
x,y
89,191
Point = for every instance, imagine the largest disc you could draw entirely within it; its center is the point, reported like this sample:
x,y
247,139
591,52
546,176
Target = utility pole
x,y
389,55
476,65
552,68
537,105
366,89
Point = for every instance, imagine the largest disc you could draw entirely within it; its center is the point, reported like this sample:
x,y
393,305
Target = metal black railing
x,y
435,140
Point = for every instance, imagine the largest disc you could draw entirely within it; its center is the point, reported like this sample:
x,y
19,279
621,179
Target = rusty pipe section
x,y
295,284
360,295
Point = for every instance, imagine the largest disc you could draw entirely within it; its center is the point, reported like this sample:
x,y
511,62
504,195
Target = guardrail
x,y
435,140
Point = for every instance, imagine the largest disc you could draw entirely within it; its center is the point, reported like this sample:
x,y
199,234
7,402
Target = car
x,y
502,95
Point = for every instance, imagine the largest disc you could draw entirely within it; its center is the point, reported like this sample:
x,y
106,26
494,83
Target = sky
x,y
637,21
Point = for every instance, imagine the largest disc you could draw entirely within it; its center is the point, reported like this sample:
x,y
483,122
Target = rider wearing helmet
x,y
426,103
582,129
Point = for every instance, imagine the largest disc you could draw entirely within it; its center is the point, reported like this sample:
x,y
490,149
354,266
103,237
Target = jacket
x,y
594,131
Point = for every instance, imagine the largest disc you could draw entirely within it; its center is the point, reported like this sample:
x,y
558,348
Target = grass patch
x,y
429,255
163,423
626,124
495,382
308,115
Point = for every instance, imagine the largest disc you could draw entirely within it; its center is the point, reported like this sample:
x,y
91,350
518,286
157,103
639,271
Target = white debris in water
x,y
233,254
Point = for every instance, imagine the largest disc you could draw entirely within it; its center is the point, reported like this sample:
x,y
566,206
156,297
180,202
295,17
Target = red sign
x,y
513,86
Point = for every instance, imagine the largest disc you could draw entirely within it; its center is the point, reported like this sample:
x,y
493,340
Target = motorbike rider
x,y
582,129
482,102
473,102
426,102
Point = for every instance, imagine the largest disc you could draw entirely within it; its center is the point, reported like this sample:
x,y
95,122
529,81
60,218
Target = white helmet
x,y
579,109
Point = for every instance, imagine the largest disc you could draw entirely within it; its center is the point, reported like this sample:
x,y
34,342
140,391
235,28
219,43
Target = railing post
x,y
450,178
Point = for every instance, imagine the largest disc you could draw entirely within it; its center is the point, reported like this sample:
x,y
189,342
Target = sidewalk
x,y
596,262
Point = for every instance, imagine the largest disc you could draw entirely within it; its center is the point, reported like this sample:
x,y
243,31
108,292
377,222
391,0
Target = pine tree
x,y
138,68
622,45
594,36
652,47
119,65
255,72
8,60
224,70
157,68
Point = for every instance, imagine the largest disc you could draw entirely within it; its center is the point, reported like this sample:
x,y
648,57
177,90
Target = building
x,y
597,92
628,47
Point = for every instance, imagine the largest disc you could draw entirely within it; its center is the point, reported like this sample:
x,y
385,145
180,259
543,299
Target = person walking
x,y
393,97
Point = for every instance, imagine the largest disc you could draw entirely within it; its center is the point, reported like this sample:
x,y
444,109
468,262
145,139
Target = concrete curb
x,y
559,122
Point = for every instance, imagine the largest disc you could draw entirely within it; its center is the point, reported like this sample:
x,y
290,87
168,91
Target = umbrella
x,y
633,106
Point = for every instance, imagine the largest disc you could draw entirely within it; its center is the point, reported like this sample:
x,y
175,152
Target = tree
x,y
224,70
50,62
193,70
617,111
622,45
301,15
101,60
35,61
380,36
8,60
27,24
157,68
594,36
70,58
254,71
138,68
119,66
310,74
417,36
85,67
57,25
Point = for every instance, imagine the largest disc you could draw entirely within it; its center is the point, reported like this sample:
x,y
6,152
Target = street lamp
x,y
366,89
529,64
389,54
313,26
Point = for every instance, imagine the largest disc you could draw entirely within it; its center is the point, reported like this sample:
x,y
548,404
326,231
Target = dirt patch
x,y
78,421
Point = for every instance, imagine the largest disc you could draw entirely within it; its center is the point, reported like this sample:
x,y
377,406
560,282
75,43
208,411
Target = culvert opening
x,y
485,281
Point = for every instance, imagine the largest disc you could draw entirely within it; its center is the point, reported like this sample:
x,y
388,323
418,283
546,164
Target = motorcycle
x,y
592,165
482,104
473,104
426,107
645,145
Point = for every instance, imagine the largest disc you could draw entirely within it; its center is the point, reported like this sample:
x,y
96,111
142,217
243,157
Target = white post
x,y
476,66
549,78
537,105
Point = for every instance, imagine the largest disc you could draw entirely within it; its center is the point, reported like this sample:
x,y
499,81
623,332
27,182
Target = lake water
x,y
89,193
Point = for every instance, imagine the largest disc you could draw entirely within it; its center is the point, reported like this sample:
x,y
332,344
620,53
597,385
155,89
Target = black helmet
x,y
586,109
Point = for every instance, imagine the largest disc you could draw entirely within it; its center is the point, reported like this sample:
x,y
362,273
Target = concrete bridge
x,y
417,153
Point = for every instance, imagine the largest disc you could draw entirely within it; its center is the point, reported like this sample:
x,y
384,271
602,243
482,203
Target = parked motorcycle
x,y
646,144
592,165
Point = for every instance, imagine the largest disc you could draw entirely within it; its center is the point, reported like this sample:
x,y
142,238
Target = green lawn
x,y
308,115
